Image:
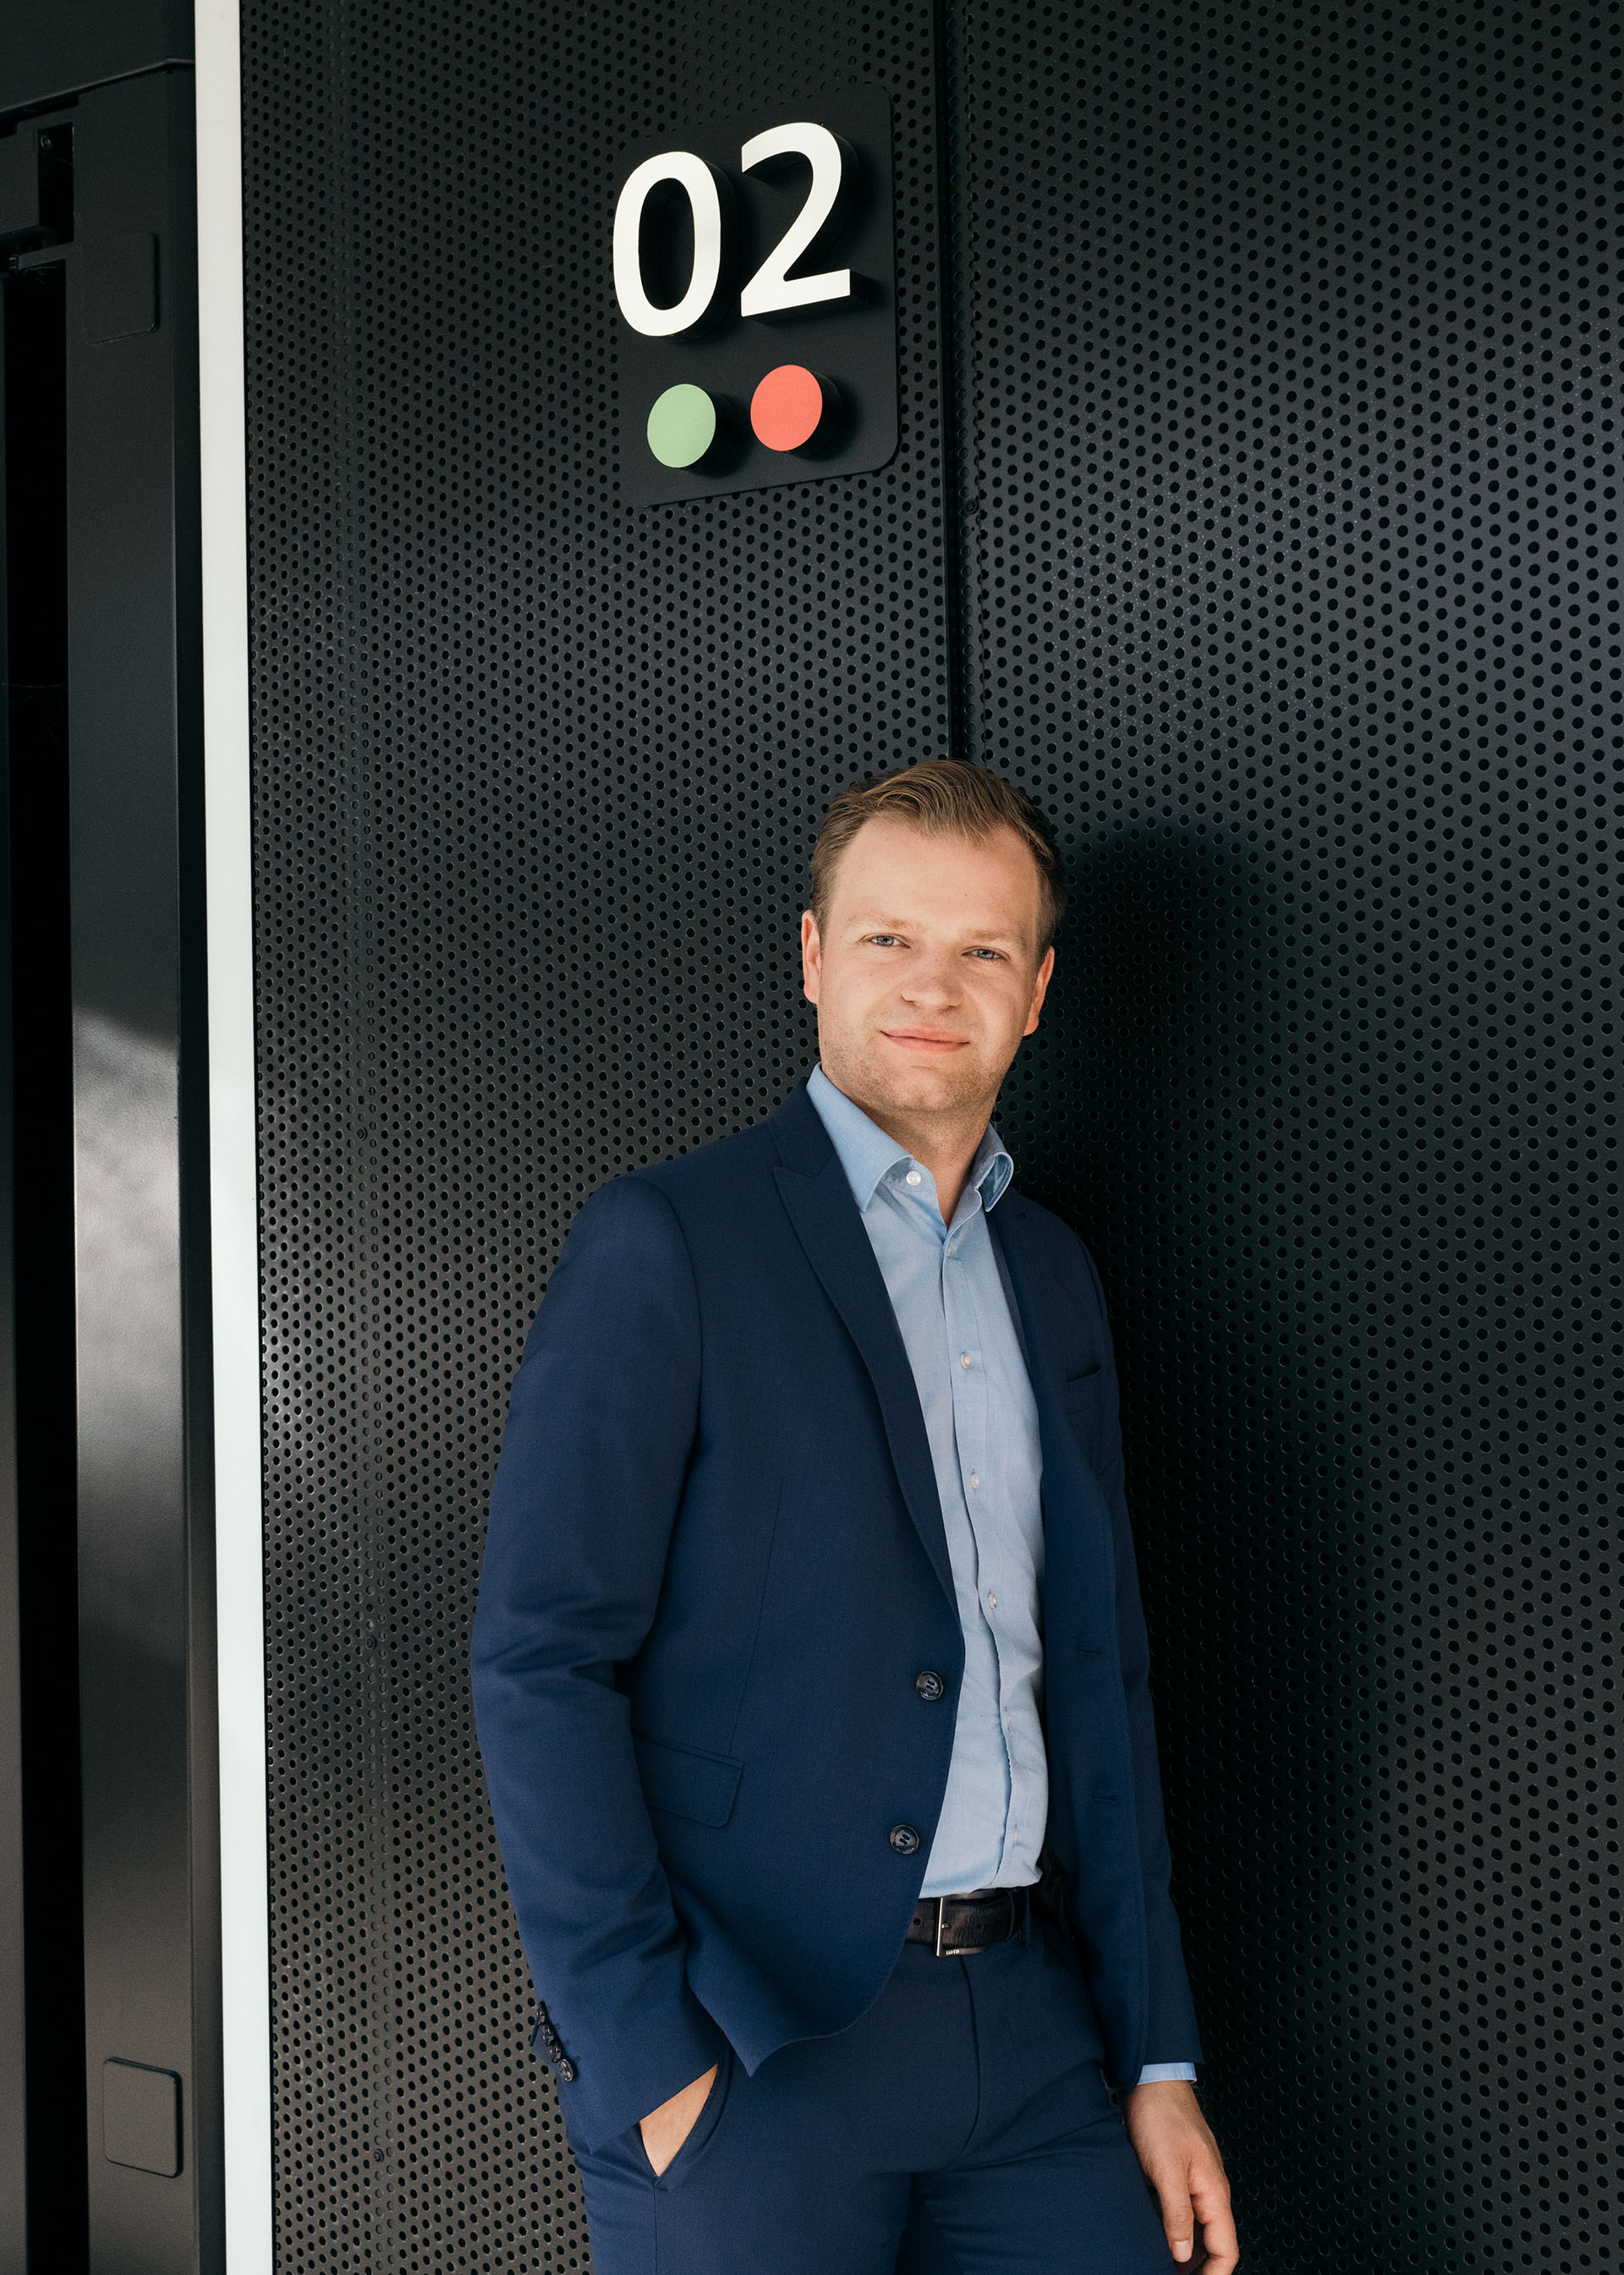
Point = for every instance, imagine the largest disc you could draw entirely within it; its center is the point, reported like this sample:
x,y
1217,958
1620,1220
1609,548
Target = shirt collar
x,y
866,1153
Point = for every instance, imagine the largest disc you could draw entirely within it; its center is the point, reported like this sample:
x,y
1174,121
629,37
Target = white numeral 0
x,y
770,290
705,196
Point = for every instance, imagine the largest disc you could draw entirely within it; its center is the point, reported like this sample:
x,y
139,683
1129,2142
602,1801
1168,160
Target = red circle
x,y
787,409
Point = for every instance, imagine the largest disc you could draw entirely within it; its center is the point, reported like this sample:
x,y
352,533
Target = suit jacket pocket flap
x,y
699,1786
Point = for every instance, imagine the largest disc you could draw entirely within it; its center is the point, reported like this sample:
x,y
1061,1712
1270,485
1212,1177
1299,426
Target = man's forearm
x,y
581,1516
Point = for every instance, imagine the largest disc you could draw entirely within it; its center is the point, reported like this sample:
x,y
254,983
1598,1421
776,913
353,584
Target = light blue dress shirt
x,y
981,1420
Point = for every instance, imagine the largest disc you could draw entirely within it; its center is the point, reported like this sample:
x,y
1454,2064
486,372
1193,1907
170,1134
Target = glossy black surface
x,y
13,1979
145,1567
47,2228
120,1951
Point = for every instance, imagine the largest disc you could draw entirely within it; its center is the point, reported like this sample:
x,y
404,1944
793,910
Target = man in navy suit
x,y
809,1665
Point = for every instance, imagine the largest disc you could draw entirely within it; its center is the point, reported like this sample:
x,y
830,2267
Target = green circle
x,y
682,426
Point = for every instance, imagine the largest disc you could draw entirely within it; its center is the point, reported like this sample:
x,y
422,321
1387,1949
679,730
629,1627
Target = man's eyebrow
x,y
990,937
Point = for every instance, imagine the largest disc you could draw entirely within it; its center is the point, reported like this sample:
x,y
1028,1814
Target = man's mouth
x,y
927,1039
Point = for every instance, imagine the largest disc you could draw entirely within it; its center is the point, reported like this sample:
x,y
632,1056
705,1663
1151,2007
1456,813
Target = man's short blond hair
x,y
945,798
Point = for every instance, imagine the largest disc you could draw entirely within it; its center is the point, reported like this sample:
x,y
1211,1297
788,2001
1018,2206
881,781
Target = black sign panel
x,y
753,268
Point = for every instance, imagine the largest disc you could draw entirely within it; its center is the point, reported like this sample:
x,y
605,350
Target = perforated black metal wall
x,y
1293,402
1270,519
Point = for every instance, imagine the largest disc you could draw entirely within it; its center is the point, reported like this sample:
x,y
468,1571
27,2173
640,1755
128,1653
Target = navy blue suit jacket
x,y
716,1566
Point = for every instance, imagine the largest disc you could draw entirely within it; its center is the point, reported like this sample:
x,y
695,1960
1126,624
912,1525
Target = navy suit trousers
x,y
963,2123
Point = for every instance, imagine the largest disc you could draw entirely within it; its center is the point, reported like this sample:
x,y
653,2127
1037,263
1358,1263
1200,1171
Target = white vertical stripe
x,y
244,1913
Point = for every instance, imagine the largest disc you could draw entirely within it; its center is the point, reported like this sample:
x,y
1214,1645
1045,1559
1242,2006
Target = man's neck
x,y
944,1144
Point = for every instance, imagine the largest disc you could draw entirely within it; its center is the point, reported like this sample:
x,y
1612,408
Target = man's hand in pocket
x,y
665,2129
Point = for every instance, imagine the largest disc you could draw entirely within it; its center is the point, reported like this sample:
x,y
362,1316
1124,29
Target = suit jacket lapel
x,y
1035,1292
1020,1274
828,1223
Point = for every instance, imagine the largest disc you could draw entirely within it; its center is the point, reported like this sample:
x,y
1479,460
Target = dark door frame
x,y
141,1470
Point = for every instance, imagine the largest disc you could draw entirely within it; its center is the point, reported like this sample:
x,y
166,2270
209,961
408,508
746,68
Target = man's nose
x,y
933,980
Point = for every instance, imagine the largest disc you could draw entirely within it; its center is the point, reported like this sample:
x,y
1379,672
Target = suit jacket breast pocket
x,y
1083,1380
1080,1399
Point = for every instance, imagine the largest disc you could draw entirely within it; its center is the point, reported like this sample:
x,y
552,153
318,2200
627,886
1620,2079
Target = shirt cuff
x,y
1165,2072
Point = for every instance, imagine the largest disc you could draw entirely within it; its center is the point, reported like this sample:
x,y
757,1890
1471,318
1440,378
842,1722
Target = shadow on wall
x,y
1173,1108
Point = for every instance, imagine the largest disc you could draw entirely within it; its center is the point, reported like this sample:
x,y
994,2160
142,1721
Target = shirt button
x,y
965,1360
914,1178
904,1839
974,1478
992,1600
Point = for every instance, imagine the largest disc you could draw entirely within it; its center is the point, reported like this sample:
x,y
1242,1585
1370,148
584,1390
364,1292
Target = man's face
x,y
927,972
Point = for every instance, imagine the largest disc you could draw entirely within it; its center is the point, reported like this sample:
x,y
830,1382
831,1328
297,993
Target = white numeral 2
x,y
770,289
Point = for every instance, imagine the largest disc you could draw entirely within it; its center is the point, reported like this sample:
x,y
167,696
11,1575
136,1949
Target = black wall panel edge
x,y
1256,507
108,1228
13,1979
244,1964
42,1949
145,1580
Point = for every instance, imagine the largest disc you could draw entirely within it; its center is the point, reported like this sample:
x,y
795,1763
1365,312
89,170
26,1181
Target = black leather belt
x,y
953,1926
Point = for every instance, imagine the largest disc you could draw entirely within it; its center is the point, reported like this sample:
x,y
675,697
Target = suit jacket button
x,y
904,1839
566,2069
930,1685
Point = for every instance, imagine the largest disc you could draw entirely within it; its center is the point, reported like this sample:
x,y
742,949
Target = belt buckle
x,y
964,1950
951,1950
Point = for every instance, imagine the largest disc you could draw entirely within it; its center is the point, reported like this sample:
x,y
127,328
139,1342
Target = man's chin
x,y
924,1086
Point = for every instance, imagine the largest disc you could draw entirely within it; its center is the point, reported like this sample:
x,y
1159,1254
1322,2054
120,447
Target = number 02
x,y
771,290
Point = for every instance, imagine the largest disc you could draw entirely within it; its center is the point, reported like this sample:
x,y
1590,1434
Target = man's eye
x,y
882,939
992,955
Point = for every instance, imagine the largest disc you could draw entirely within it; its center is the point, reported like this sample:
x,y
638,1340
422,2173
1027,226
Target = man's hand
x,y
665,2129
1183,2165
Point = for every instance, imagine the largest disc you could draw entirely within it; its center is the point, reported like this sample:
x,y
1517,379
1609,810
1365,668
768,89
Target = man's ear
x,y
1041,988
811,956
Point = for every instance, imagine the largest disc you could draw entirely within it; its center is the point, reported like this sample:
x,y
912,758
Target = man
x,y
809,1665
